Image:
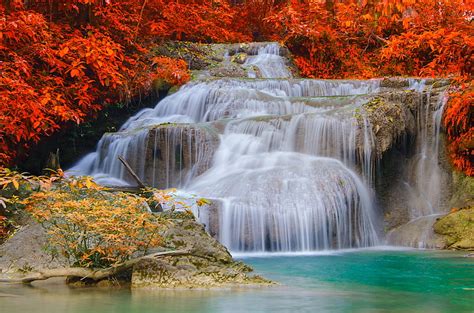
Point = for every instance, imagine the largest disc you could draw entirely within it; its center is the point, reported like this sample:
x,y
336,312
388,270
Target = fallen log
x,y
87,273
131,172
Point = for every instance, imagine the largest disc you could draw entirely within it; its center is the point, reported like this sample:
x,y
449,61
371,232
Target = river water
x,y
372,280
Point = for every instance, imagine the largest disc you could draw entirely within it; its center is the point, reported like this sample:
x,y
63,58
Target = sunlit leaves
x,y
92,227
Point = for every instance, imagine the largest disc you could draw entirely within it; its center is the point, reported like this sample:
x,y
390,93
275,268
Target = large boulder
x,y
457,229
208,265
26,250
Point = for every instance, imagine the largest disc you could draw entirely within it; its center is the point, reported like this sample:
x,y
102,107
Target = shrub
x,y
93,227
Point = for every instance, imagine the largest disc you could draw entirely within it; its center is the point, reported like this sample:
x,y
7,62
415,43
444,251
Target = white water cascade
x,y
423,175
287,158
424,181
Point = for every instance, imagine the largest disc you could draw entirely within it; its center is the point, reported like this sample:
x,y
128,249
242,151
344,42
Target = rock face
x,y
395,112
177,151
414,177
416,185
417,233
25,251
209,265
457,229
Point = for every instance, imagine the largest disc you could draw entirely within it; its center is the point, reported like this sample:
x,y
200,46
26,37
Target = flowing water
x,y
292,163
361,281
290,160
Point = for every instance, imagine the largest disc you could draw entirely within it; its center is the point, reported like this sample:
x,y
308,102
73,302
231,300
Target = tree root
x,y
87,273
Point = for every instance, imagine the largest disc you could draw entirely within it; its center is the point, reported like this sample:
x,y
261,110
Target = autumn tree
x,y
63,61
54,72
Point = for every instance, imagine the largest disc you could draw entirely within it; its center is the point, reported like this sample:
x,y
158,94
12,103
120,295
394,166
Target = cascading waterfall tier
x,y
423,177
288,158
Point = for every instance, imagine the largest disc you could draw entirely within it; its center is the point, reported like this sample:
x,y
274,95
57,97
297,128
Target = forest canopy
x,y
61,62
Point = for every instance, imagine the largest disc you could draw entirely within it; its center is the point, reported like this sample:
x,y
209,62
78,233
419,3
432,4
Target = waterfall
x,y
424,183
423,176
288,158
268,62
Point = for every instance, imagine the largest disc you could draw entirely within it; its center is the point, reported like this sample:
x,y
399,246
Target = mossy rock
x,y
239,58
397,82
209,265
457,229
463,187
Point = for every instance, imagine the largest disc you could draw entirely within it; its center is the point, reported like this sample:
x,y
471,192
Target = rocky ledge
x,y
457,229
207,265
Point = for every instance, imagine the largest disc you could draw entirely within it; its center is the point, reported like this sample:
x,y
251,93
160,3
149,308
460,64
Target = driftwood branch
x,y
132,173
95,275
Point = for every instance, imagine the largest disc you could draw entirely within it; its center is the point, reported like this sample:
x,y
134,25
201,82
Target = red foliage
x,y
458,118
58,72
64,61
339,39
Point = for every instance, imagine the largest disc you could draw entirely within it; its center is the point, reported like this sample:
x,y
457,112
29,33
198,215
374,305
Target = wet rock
x,y
397,82
392,114
210,215
417,234
463,190
239,58
398,118
228,70
175,151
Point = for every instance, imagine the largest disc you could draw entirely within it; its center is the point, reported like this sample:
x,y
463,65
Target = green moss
x,y
374,104
463,187
457,229
239,58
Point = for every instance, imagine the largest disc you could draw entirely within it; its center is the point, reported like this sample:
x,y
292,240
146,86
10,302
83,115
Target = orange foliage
x,y
458,118
55,72
340,39
174,72
93,228
63,62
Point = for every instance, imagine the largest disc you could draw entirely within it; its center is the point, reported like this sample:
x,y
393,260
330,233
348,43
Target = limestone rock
x,y
417,234
25,250
210,264
174,150
457,229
